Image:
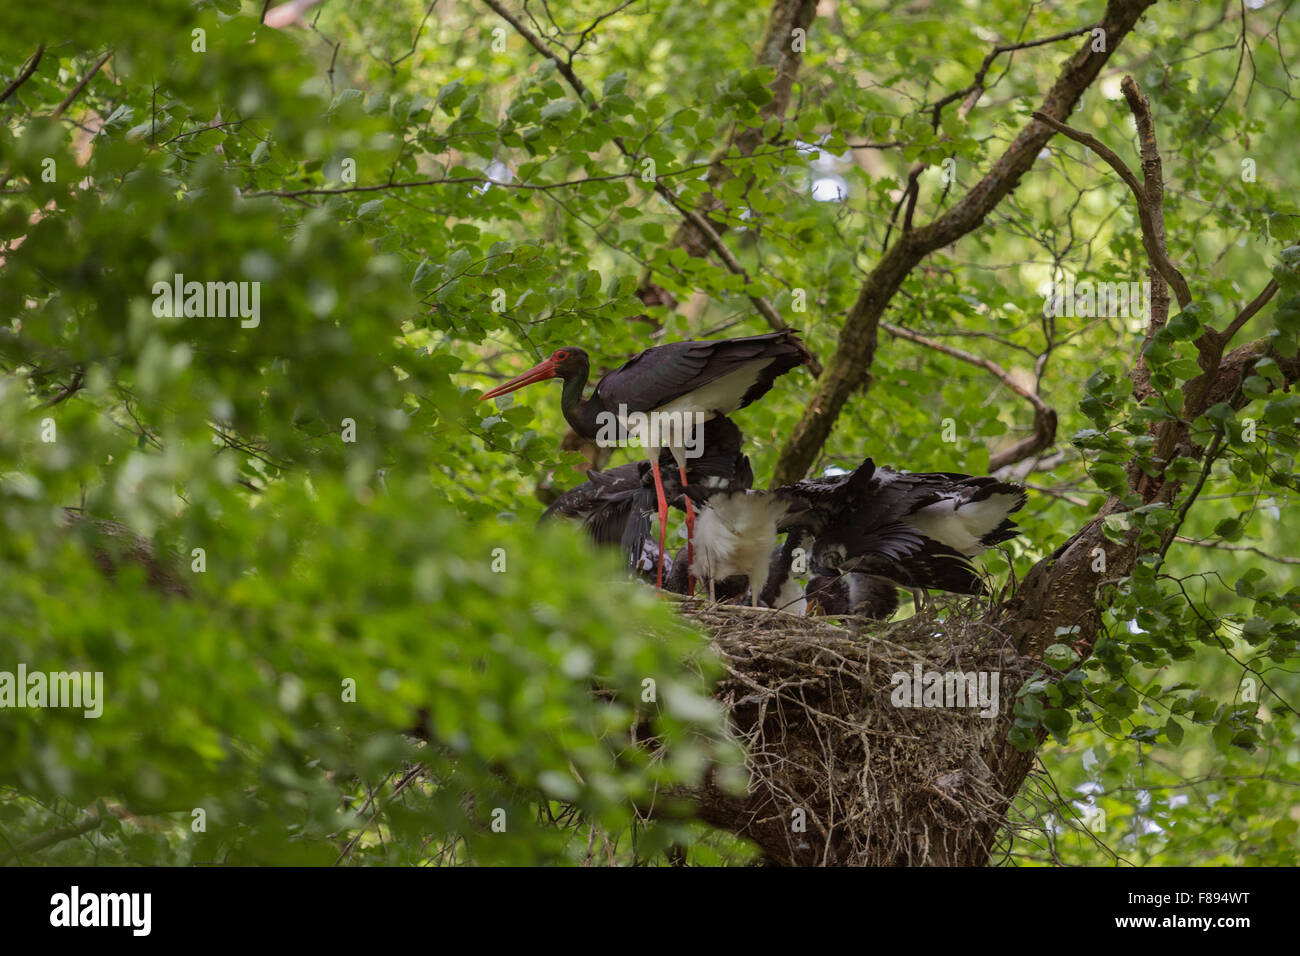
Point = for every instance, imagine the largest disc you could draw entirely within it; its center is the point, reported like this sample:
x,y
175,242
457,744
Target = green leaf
x,y
1173,732
1060,656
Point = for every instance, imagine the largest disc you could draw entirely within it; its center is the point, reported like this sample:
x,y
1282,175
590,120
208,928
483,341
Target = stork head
x,y
563,363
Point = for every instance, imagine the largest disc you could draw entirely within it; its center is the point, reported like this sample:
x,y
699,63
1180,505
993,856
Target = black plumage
x,y
680,384
851,593
665,373
602,502
917,529
617,506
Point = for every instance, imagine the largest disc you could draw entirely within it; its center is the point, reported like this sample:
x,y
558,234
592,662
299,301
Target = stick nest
x,y
878,784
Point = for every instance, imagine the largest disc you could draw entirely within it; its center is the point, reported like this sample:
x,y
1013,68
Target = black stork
x,y
694,379
851,593
919,530
603,503
736,534
615,505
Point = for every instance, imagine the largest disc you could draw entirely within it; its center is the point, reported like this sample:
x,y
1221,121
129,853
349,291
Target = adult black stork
x,y
919,530
672,387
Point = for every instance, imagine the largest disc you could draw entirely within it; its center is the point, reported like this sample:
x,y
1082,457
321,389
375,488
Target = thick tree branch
x,y
848,369
1154,239
1063,591
1249,311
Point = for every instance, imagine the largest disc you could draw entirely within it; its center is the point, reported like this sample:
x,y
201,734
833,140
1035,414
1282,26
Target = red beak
x,y
538,373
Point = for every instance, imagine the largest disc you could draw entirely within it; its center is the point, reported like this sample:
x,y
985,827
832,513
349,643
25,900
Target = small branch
x,y
913,193
537,44
970,95
1220,546
1044,416
764,307
1150,233
1211,456
410,775
81,85
1249,311
987,364
591,27
701,224
49,839
201,129
72,388
33,61
419,183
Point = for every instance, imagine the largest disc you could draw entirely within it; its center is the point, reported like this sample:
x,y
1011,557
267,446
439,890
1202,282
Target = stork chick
x,y
735,533
919,530
852,593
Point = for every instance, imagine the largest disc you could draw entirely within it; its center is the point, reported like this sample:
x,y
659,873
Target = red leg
x,y
663,518
690,538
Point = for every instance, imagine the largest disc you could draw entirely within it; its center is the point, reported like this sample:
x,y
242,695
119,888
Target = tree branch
x,y
1152,236
774,44
849,368
537,44
81,85
776,51
53,837
26,74
1221,546
1249,311
970,95
1044,416
67,391
1063,590
760,303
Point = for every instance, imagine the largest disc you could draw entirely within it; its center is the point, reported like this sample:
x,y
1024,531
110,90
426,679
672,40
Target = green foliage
x,y
428,207
343,596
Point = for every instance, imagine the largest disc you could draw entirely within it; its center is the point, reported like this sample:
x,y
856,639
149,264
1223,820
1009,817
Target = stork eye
x,y
560,356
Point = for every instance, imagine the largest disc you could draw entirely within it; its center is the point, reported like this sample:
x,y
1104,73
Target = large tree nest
x,y
877,784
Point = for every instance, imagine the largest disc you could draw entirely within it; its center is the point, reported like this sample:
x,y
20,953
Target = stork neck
x,y
579,413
